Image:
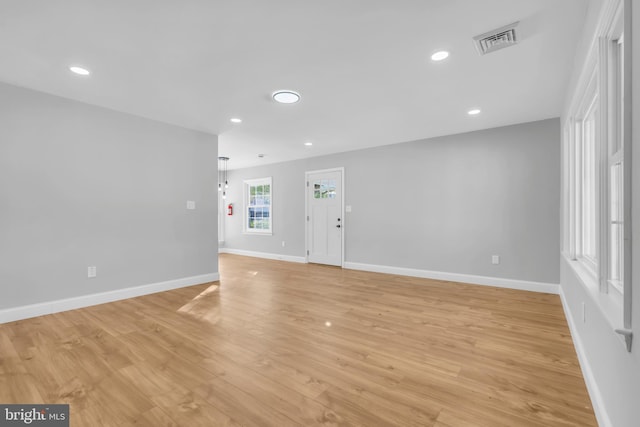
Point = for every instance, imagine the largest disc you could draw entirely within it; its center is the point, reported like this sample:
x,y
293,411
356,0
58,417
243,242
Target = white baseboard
x,y
524,285
265,255
594,392
40,309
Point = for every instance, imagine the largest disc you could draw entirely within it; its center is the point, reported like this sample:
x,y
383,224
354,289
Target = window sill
x,y
610,304
257,233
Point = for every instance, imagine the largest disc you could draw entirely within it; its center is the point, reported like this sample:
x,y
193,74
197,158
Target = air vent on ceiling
x,y
497,39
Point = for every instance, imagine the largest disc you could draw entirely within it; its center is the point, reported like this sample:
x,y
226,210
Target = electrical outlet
x,y
495,259
191,204
92,271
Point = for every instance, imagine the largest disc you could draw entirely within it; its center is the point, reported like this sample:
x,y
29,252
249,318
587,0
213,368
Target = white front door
x,y
325,223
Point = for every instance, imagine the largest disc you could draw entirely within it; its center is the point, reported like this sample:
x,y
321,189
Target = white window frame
x,y
600,83
575,162
613,46
248,183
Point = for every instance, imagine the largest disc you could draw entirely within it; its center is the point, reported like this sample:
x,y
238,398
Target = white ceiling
x,y
361,66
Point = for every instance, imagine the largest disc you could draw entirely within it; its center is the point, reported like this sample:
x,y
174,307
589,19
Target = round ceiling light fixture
x,y
440,55
473,112
286,96
236,120
79,70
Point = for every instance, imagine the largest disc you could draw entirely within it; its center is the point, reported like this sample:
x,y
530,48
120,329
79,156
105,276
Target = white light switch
x,y
92,272
191,204
495,259
348,208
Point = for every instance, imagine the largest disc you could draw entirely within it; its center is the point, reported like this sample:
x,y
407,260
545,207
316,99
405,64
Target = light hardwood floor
x,y
282,344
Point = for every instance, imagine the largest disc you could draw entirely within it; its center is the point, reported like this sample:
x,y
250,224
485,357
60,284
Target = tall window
x,y
596,175
588,148
258,206
616,164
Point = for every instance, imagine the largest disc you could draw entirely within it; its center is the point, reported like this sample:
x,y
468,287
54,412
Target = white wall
x,y
82,185
443,204
612,374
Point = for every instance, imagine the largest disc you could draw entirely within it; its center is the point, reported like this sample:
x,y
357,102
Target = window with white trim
x,y
582,162
615,157
595,180
587,165
258,206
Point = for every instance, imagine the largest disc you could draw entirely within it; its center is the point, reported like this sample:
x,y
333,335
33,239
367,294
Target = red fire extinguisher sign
x,y
230,209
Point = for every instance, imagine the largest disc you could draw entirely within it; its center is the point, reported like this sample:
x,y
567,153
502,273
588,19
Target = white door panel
x,y
325,223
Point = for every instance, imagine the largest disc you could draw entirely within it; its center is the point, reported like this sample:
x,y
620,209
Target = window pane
x,y
616,230
618,94
331,190
589,166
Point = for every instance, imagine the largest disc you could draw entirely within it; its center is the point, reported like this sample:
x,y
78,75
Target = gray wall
x,y
442,204
82,186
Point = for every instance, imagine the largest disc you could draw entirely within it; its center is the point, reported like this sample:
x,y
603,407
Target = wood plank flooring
x,y
284,344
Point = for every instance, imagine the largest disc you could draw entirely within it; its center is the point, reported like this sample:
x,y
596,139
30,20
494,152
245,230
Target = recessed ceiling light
x,y
308,144
286,97
440,55
236,120
79,70
473,112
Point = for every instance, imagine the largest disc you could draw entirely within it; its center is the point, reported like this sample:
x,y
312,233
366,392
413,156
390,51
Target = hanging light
x,y
222,176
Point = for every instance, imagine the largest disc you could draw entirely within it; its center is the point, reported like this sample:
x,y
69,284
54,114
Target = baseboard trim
x,y
549,288
265,255
57,306
592,387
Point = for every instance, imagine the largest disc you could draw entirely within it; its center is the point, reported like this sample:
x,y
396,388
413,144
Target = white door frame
x,y
306,211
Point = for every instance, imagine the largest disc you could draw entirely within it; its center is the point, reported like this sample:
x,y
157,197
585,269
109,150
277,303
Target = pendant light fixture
x,y
223,181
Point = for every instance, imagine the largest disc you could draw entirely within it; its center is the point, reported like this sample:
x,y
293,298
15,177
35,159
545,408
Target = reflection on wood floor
x,y
277,343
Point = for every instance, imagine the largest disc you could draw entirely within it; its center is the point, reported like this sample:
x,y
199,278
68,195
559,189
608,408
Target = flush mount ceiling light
x,y
308,144
440,55
79,70
473,112
236,120
286,97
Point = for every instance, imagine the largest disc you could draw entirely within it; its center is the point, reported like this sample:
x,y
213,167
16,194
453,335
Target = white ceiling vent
x,y
497,39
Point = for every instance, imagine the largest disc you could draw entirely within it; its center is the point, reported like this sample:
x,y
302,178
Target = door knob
x,y
338,226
